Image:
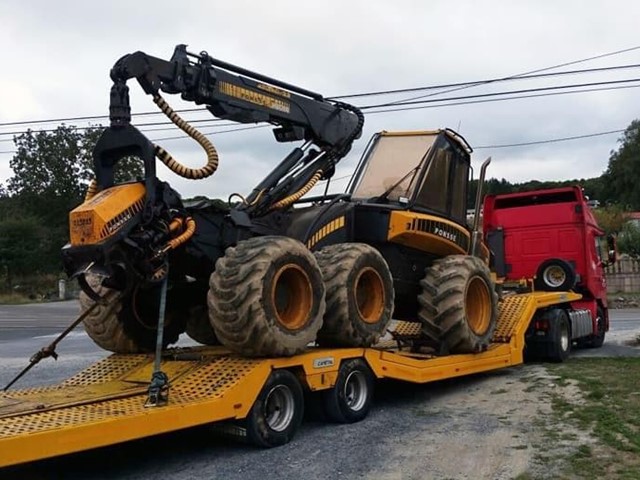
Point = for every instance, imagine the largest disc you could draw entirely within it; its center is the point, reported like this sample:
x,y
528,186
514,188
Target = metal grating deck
x,y
116,387
512,309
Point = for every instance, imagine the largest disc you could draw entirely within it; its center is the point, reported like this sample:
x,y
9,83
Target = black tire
x,y
266,297
199,327
128,325
359,295
350,399
277,413
597,339
560,333
458,306
555,275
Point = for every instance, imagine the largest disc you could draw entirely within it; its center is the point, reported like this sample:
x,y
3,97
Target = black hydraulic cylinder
x,y
276,175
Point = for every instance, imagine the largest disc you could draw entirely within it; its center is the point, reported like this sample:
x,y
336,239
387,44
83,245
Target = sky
x,y
56,58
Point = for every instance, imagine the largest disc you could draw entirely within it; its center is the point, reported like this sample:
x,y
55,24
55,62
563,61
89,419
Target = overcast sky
x,y
56,55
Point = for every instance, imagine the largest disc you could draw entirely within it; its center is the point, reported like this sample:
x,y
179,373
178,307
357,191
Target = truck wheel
x,y
560,345
555,275
359,295
458,306
277,413
266,297
128,325
597,340
199,328
350,399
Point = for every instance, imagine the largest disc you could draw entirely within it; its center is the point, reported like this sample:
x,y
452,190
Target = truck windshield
x,y
391,158
537,198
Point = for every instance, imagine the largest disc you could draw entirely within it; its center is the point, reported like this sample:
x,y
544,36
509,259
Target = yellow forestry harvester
x,y
274,271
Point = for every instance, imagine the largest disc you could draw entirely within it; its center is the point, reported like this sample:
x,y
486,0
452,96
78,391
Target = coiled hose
x,y
166,158
175,166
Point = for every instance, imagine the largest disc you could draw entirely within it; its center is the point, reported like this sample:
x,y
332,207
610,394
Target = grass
x,y
14,299
610,390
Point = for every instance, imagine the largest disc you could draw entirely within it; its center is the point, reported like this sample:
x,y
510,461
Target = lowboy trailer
x,y
263,399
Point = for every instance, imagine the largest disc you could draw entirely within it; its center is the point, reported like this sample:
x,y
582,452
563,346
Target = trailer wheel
x,y
458,306
128,325
560,332
350,400
359,295
555,275
199,328
266,297
277,413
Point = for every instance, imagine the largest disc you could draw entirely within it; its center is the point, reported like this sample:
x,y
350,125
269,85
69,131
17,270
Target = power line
x,y
486,81
390,110
489,100
382,106
551,140
458,86
216,132
152,124
92,117
253,127
494,94
531,72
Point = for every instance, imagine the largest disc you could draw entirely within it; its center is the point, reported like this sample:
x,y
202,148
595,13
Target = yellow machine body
x,y
105,214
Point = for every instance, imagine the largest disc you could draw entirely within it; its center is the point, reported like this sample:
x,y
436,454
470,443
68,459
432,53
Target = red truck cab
x,y
552,238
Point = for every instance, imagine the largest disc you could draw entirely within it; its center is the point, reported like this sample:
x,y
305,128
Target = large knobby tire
x,y
128,325
266,297
458,306
359,295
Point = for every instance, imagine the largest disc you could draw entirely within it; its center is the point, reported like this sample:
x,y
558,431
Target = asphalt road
x,y
319,451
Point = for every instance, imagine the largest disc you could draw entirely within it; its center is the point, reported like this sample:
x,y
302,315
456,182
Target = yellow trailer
x,y
105,404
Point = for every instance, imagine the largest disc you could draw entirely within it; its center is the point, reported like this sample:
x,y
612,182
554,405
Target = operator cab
x,y
422,171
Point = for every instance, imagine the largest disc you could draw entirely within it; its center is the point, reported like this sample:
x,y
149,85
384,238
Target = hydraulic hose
x,y
92,189
183,237
175,166
285,202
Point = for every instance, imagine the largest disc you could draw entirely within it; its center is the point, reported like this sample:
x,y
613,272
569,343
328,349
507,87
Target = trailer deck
x,y
105,403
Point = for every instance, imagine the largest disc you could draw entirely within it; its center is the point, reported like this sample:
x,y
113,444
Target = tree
x,y
20,240
629,240
60,163
611,218
622,177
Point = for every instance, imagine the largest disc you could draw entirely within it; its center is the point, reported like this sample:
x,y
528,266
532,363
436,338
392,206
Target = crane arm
x,y
234,93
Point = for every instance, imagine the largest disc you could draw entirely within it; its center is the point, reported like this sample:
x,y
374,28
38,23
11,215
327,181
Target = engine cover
x,y
105,214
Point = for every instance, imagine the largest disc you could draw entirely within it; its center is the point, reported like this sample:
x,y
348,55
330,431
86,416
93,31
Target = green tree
x,y
20,240
622,177
629,240
611,218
